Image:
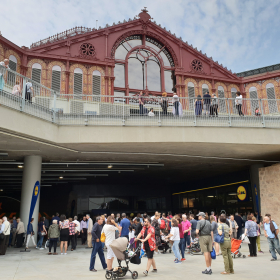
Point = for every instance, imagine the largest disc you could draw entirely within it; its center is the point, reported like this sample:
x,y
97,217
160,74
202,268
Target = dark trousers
x,y
84,236
76,239
164,111
239,109
2,246
239,232
28,96
187,241
253,246
71,240
141,108
97,248
176,106
6,243
19,240
214,110
181,247
53,243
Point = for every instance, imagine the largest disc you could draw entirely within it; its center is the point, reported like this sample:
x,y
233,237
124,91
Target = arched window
x,y
36,72
78,81
146,64
272,103
253,93
11,79
56,78
222,102
205,88
96,82
191,94
13,62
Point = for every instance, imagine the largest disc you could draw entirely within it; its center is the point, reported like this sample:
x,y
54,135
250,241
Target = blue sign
x,y
34,198
257,200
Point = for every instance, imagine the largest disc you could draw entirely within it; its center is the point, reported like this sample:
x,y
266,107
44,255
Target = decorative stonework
x,y
270,192
201,82
196,65
12,52
1,52
87,51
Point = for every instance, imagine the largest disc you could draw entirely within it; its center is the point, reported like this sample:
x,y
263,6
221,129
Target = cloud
x,y
239,34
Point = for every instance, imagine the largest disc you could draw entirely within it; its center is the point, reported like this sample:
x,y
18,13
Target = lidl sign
x,y
242,193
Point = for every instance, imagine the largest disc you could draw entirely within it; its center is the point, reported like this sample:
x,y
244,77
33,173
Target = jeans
x,y
97,248
41,238
141,108
226,252
84,236
182,247
253,246
239,109
273,245
175,249
29,236
176,106
187,241
53,243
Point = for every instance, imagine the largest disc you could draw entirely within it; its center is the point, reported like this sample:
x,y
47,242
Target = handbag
x,y
245,239
43,233
103,237
220,238
213,254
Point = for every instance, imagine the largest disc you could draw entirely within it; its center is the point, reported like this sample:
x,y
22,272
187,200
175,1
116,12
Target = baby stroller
x,y
194,248
164,247
235,248
123,252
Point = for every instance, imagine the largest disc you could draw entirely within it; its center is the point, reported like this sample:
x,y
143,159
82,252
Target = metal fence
x,y
93,110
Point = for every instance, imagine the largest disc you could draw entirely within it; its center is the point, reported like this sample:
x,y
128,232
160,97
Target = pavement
x,y
75,265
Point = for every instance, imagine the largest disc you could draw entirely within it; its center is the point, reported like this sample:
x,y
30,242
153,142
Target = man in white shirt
x,y
6,232
90,225
4,63
29,91
77,229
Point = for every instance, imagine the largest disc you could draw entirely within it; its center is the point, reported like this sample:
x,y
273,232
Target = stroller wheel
x,y
170,251
244,256
134,275
108,275
115,277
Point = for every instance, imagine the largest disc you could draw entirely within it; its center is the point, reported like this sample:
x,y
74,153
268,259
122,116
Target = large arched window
x,y
78,81
191,95
96,82
253,93
205,88
233,92
36,72
272,103
222,102
143,63
56,78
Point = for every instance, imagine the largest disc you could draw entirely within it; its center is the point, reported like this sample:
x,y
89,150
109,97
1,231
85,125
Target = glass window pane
x,y
119,97
121,53
135,74
119,75
153,76
168,81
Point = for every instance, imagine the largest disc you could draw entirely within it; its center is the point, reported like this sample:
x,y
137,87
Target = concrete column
x,y
254,179
31,174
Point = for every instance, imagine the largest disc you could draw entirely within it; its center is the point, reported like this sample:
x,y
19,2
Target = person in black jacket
x,y
239,222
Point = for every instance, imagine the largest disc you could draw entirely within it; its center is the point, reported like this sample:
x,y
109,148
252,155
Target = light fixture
x,y
210,196
60,177
1,190
20,166
232,194
110,166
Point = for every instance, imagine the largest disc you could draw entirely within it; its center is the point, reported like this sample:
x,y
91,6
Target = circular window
x,y
196,65
87,49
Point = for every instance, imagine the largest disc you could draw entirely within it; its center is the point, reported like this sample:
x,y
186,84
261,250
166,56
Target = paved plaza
x,y
75,265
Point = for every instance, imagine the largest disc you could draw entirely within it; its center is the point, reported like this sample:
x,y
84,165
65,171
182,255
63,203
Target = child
x,y
131,234
257,112
151,113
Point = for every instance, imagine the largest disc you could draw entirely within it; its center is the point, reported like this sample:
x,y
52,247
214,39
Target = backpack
x,y
162,224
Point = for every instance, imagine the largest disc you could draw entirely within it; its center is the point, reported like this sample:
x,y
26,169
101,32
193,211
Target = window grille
x,y
222,102
191,97
36,75
11,76
78,83
204,90
254,103
96,85
272,105
56,80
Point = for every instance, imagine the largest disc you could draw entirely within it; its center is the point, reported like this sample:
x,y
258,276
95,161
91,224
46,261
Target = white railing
x,y
90,110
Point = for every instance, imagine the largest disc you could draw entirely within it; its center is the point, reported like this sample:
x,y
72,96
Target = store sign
x,y
242,193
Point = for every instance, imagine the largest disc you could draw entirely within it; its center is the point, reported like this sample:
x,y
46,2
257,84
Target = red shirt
x,y
181,231
151,240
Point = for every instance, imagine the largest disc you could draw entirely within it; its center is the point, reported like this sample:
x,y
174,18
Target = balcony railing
x,y
94,110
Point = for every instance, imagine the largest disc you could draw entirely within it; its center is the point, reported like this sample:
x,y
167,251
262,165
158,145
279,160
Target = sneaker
x,y
61,254
261,252
145,273
65,253
183,259
207,271
154,270
178,262
41,248
37,247
273,260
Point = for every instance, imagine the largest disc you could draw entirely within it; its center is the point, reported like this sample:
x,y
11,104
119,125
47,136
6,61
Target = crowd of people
x,y
154,234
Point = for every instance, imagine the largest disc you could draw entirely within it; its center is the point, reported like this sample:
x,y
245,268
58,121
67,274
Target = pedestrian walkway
x,y
75,265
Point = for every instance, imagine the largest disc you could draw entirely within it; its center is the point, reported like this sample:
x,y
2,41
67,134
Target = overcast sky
x,y
240,34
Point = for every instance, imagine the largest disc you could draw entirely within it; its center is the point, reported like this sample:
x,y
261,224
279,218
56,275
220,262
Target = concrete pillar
x,y
254,179
31,174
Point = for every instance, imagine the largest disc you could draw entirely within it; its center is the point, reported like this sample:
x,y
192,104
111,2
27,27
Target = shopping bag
x,y
213,254
47,244
245,239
